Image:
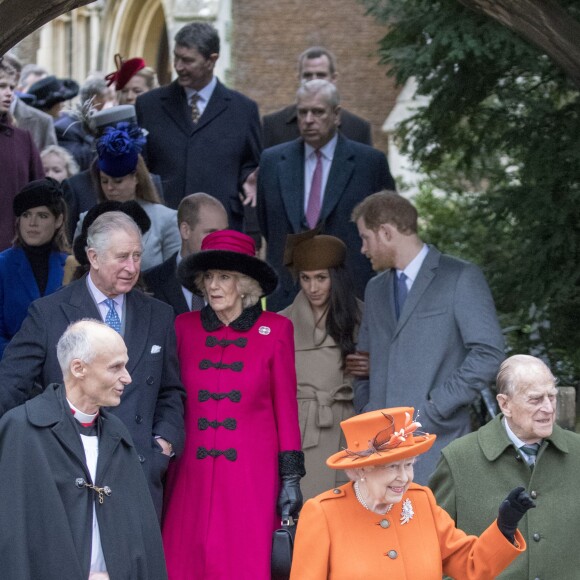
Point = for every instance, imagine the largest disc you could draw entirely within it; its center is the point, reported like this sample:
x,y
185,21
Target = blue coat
x,y
18,289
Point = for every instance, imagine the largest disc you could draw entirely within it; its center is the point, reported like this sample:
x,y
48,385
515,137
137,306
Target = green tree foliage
x,y
499,143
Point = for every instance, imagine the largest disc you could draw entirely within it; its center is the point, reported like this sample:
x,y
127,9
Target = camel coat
x,y
338,539
324,397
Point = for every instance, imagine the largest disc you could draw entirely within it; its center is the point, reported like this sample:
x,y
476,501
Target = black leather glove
x,y
291,469
511,510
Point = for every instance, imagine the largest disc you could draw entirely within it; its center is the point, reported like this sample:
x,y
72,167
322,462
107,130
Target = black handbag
x,y
282,548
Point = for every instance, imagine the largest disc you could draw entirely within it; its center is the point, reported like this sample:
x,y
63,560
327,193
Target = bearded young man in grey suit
x,y
152,406
350,172
433,337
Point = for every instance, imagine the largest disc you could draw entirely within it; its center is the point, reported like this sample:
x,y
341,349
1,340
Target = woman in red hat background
x,y
382,525
132,78
242,461
326,315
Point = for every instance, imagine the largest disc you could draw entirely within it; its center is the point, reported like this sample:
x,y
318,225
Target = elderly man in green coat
x,y
521,446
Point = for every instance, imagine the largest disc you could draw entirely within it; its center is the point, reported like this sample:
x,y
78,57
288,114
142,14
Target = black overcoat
x,y
45,517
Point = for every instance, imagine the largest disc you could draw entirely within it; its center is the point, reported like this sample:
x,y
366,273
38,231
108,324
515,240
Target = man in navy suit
x,y
152,406
198,215
322,170
202,136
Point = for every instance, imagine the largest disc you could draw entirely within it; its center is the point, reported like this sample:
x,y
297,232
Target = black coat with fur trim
x,y
46,518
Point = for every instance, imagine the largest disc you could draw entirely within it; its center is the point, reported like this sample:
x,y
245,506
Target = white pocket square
x,y
155,349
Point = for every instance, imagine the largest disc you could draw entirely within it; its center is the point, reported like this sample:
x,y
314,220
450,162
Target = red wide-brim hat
x,y
227,250
381,437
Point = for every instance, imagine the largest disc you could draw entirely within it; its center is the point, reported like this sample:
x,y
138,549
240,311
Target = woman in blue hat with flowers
x,y
120,174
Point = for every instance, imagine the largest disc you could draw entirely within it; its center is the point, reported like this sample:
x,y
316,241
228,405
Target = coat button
x,y
384,524
536,537
336,491
141,458
533,494
138,419
150,380
392,554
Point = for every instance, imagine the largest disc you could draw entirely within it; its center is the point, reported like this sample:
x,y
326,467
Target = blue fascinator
x,y
118,149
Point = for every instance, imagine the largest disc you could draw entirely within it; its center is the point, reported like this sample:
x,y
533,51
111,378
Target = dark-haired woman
x,y
326,315
34,266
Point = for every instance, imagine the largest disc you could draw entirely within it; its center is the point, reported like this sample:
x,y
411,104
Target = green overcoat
x,y
476,472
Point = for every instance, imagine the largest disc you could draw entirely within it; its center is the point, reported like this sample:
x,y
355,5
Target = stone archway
x,y
22,17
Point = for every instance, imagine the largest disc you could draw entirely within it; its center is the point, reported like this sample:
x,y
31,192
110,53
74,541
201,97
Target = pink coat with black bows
x,y
241,410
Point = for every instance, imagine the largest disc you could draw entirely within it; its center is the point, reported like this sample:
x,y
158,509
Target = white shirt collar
x,y
326,150
205,93
415,264
100,297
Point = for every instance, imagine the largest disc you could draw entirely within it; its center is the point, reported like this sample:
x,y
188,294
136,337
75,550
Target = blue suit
x,y
18,289
357,171
215,156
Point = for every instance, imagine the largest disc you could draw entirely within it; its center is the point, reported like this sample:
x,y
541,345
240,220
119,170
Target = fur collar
x,y
245,321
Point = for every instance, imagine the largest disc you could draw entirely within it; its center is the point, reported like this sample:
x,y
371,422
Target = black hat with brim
x,y
49,91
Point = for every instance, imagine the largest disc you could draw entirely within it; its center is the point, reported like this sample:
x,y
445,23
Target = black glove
x,y
291,469
512,510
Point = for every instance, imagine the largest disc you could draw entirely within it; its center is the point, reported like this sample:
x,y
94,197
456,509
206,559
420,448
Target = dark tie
x,y
195,113
531,451
400,293
112,318
197,302
313,208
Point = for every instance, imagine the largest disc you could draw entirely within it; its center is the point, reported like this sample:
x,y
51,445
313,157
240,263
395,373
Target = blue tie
x,y
400,293
112,318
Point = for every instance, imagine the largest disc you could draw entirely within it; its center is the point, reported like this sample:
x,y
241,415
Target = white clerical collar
x,y
80,416
413,267
326,150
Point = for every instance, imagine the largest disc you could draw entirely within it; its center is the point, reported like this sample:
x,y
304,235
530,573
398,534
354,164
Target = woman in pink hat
x,y
242,462
382,525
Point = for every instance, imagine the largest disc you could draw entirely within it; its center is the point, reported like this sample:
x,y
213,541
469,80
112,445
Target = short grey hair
x,y
315,86
94,86
521,370
247,287
101,230
76,342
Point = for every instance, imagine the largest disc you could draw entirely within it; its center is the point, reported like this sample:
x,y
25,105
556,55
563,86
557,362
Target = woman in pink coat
x,y
242,457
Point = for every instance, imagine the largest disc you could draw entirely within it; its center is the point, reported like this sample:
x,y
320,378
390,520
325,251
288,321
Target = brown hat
x,y
313,251
380,437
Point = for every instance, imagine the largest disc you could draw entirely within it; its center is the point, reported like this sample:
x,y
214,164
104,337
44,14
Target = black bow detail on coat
x,y
214,341
234,396
235,366
230,454
229,424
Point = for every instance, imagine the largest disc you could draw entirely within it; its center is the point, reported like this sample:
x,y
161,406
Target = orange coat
x,y
338,539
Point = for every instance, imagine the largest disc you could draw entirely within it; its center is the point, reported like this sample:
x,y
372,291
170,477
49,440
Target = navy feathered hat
x,y
118,149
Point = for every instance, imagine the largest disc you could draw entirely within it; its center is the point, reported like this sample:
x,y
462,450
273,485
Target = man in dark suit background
x,y
198,215
345,172
202,136
282,126
152,406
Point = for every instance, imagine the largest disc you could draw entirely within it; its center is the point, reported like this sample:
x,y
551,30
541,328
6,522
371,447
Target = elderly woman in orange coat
x,y
381,525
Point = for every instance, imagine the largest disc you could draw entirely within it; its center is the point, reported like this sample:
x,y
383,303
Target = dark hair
x,y
387,207
200,35
145,189
60,239
317,52
344,314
